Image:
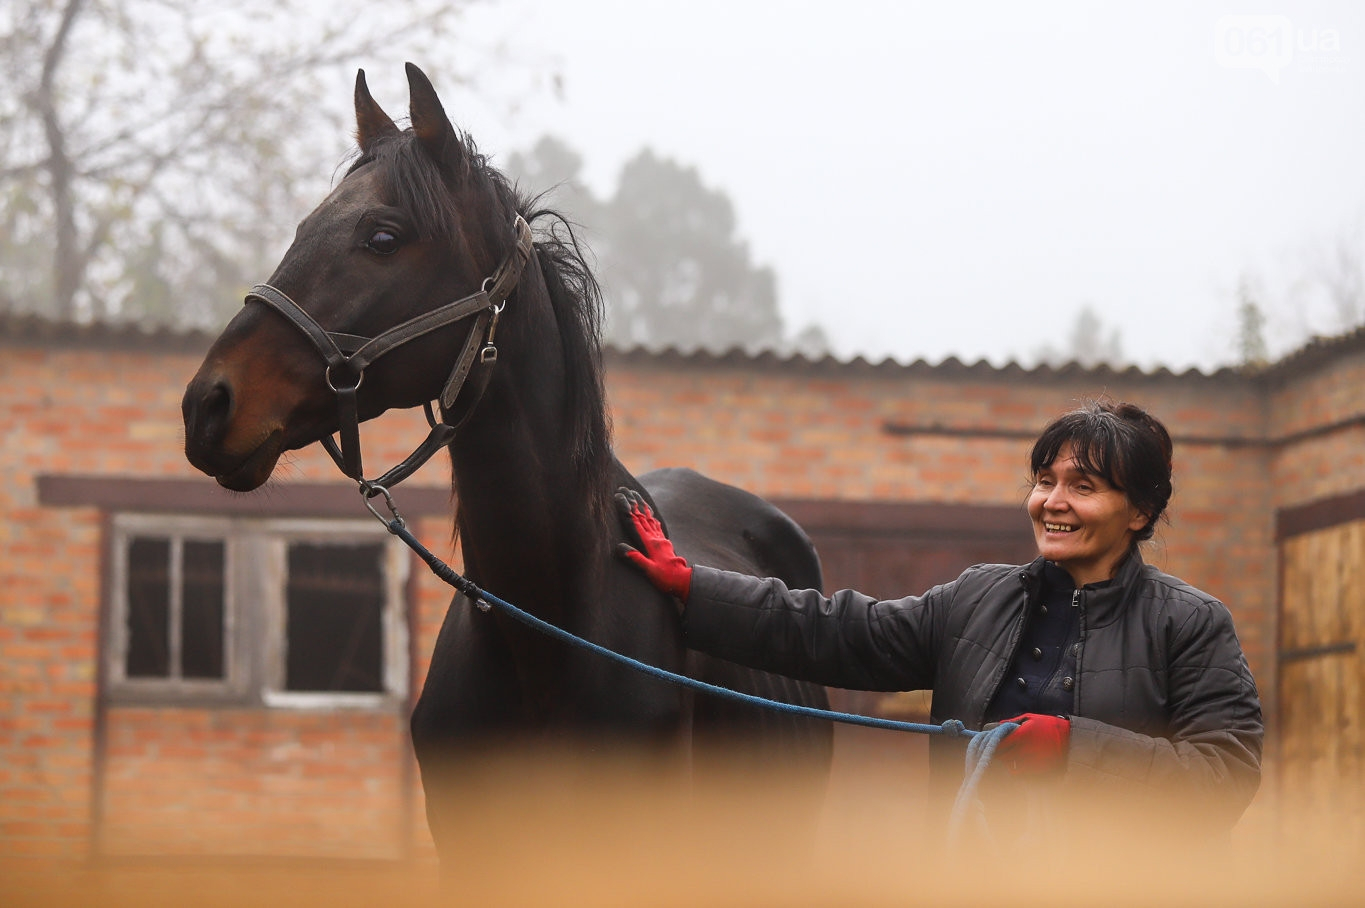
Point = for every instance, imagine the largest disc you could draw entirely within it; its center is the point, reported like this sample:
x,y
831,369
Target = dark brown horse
x,y
421,219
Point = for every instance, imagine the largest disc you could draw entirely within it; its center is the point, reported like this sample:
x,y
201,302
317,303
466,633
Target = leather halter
x,y
348,355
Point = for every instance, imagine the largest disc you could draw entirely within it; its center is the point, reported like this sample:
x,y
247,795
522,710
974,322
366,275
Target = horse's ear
x,y
429,121
370,120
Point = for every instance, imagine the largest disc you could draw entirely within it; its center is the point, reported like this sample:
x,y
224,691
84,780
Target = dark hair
x,y
1120,442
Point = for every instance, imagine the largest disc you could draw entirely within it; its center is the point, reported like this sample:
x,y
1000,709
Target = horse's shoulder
x,y
721,525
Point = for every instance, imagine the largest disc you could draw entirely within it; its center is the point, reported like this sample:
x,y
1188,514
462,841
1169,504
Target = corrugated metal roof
x,y
952,365
1317,352
29,329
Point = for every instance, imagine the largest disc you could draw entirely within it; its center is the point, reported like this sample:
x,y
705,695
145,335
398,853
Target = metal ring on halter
x,y
327,376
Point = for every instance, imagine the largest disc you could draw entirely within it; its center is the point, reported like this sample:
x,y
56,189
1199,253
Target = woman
x,y
1123,680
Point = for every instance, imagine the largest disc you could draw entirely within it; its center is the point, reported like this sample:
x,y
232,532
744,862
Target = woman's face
x,y
1080,522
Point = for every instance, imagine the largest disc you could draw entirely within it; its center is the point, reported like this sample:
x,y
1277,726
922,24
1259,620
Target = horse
x,y
514,368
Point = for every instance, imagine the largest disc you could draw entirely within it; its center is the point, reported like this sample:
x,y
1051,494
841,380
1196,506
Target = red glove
x,y
666,569
1037,746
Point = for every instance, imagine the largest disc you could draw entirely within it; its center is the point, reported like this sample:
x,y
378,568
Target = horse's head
x,y
416,224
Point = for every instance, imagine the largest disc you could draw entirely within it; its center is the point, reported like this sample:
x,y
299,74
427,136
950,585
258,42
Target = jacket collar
x,y
1102,604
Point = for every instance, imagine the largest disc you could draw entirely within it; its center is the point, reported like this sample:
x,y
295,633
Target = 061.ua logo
x,y
1255,42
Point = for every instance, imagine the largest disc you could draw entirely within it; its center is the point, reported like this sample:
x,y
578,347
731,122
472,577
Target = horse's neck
x,y
529,511
525,517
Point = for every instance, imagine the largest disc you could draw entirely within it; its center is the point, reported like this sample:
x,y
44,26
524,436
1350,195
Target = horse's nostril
x,y
219,399
207,414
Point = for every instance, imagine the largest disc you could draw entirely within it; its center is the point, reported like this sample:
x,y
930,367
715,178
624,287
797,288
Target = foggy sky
x,y
932,179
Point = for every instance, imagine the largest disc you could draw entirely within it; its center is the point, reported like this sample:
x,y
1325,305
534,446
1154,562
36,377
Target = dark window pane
x,y
149,609
335,601
201,618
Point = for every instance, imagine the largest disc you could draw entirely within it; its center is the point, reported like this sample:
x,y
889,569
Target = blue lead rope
x,y
952,728
980,748
980,751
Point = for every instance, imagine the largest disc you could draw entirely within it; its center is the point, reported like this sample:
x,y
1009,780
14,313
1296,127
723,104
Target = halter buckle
x,y
489,353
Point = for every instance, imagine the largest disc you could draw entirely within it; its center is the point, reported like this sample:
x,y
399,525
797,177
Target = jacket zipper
x,y
1080,647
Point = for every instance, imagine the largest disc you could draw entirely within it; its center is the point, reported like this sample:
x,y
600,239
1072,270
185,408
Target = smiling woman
x,y
1127,684
1081,522
1101,481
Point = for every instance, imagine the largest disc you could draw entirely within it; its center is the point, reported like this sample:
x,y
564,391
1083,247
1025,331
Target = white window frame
x,y
254,611
177,530
393,621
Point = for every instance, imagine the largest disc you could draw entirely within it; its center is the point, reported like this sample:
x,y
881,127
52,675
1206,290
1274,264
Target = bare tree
x,y
674,269
1321,293
1340,274
1089,344
1252,351
153,153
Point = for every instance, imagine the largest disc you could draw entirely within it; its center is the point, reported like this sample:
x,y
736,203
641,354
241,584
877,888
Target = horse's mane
x,y
576,299
427,192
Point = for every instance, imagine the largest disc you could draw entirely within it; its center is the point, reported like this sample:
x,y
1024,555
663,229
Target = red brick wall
x,y
1317,465
251,781
795,431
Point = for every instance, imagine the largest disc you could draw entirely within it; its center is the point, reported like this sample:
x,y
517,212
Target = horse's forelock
x,y
428,189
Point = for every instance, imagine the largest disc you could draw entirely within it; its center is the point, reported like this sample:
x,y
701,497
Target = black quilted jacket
x,y
1164,700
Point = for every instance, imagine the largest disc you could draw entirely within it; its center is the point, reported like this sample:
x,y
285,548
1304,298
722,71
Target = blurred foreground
x,y
562,836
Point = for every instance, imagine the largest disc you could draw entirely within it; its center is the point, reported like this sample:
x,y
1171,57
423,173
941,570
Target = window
x,y
175,595
334,605
285,612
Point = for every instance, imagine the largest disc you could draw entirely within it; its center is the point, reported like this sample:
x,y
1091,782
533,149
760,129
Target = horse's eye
x,y
382,242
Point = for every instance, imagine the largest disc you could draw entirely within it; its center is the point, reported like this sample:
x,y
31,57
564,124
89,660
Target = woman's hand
x,y
666,569
1038,746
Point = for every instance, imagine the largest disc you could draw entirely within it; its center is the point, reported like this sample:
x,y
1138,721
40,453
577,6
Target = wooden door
x,y
1322,678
